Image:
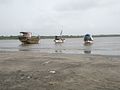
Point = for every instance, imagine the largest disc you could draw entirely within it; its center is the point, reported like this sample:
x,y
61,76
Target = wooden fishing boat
x,y
59,39
88,39
27,38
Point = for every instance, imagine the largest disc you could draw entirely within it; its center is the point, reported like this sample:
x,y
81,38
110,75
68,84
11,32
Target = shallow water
x,y
101,45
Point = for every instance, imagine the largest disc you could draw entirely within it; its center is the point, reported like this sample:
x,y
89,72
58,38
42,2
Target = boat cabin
x,y
26,34
57,37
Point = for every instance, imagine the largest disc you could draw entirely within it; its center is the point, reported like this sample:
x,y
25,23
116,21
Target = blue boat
x,y
88,39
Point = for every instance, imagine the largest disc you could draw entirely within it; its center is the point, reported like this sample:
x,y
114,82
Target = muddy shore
x,y
44,71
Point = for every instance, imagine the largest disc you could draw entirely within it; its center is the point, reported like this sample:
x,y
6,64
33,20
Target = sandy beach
x,y
44,71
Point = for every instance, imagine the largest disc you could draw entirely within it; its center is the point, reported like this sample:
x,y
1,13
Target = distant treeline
x,y
52,37
64,36
8,37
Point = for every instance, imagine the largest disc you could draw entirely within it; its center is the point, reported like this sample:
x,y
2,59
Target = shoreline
x,y
12,37
45,71
81,54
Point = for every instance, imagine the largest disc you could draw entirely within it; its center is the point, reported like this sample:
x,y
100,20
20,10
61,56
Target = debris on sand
x,y
52,71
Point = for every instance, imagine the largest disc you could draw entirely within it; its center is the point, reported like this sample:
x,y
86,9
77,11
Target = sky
x,y
49,17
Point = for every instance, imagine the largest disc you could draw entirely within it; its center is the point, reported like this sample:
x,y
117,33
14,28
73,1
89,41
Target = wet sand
x,y
44,71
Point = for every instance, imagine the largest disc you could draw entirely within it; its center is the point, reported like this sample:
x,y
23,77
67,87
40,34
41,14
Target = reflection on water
x,y
58,47
87,48
26,47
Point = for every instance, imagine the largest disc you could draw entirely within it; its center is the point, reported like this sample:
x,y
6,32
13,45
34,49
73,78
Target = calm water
x,y
101,45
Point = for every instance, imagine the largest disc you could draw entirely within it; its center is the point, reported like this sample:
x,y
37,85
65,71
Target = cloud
x,y
48,16
77,5
5,1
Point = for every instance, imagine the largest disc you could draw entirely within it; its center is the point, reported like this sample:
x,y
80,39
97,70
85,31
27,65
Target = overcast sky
x,y
49,17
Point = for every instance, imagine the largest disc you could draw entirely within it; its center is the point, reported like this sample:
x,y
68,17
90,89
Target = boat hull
x,y
88,42
59,41
32,40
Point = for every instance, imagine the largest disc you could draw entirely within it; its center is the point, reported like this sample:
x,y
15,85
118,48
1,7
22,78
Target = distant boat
x,y
59,39
88,39
27,38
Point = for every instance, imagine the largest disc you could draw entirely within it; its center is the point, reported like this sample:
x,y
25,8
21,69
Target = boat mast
x,y
61,33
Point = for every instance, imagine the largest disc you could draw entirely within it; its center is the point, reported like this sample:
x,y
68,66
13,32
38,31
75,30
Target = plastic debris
x,y
52,71
28,77
46,62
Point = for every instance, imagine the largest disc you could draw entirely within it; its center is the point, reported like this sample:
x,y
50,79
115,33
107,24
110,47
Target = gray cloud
x,y
75,5
48,17
5,1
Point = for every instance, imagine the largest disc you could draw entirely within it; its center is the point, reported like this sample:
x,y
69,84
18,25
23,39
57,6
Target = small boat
x,y
88,39
27,38
59,39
